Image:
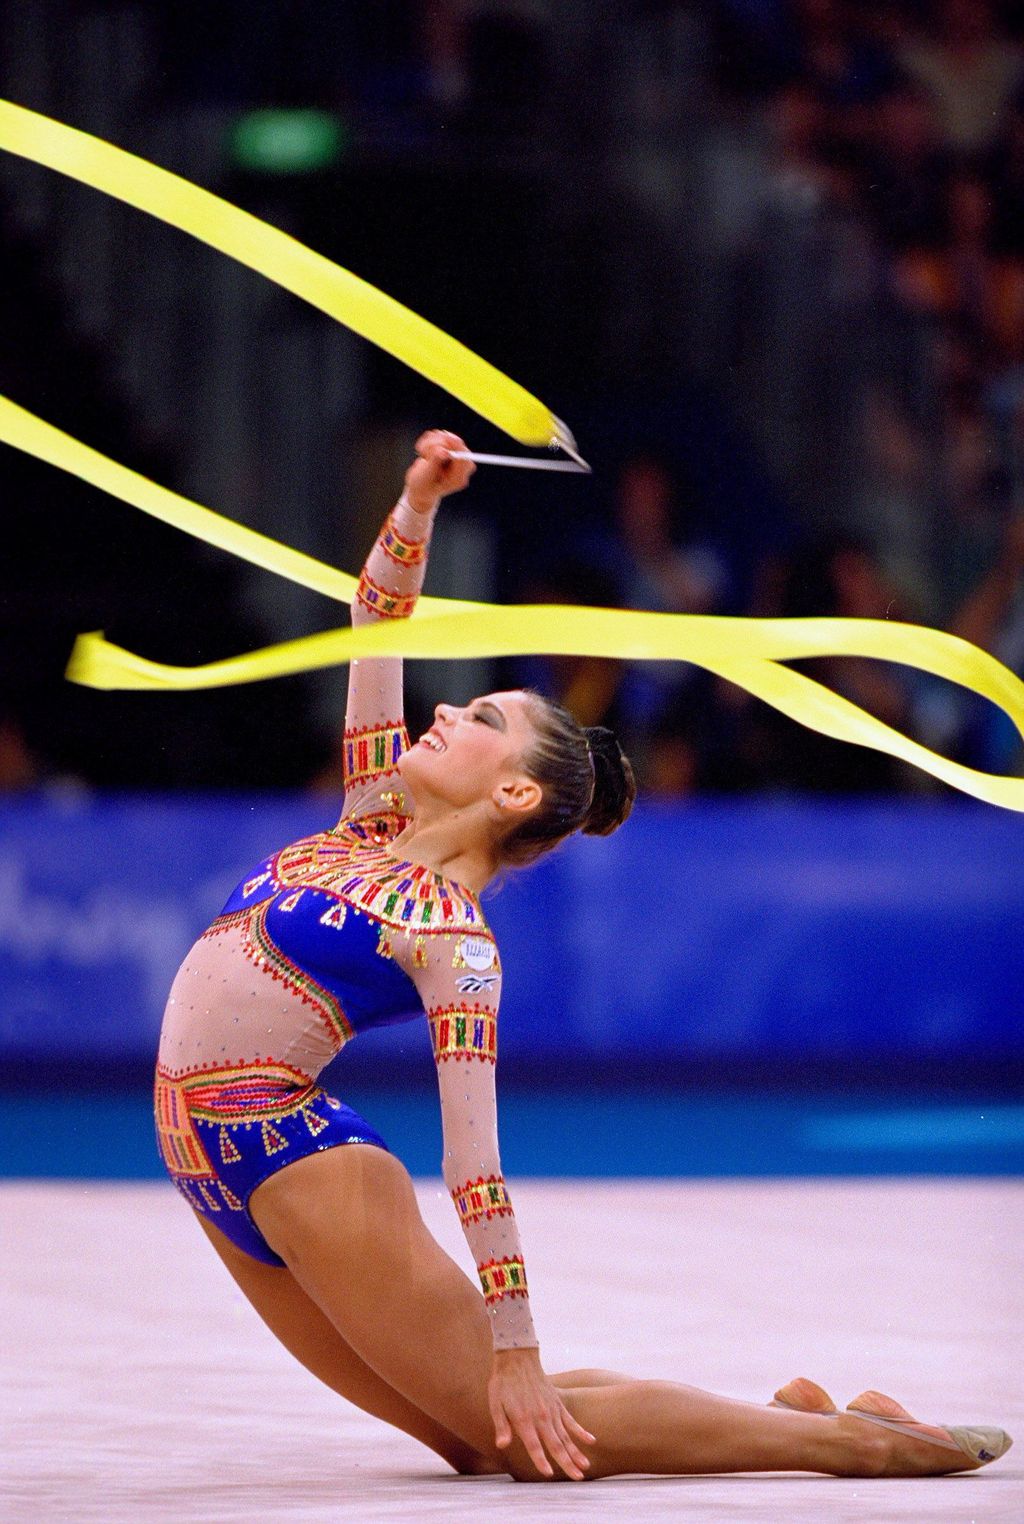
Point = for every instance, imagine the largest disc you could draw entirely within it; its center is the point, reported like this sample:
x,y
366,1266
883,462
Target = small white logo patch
x,y
477,953
475,984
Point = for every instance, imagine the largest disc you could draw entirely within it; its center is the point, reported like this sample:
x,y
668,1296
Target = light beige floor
x,y
137,1385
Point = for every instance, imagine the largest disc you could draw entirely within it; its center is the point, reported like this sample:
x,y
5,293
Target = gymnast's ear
x,y
517,797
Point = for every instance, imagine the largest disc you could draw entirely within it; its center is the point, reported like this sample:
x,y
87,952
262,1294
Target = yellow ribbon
x,y
709,642
745,651
288,263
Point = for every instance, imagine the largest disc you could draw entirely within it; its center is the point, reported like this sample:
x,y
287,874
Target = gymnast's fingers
x,y
435,443
434,474
502,1427
576,1428
436,446
560,1451
527,1431
571,1431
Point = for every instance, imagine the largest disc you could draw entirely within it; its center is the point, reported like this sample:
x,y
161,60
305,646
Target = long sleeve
x,y
375,733
459,984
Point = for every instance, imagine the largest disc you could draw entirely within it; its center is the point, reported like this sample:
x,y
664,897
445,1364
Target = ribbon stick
x,y
524,462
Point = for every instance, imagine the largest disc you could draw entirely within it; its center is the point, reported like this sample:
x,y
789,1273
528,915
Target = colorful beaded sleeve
x,y
375,733
464,1036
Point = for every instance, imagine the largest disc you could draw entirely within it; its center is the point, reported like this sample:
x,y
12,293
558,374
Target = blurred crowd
x,y
906,119
901,118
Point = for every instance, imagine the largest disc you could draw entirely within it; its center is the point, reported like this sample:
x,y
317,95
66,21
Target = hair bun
x,y
614,783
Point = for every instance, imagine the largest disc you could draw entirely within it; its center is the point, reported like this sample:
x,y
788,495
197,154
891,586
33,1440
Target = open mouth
x,y
433,741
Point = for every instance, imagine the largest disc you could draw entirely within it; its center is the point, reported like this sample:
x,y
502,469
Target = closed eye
x,y
490,714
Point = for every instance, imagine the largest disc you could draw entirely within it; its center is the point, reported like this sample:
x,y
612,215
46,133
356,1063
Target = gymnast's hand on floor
x,y
525,1405
434,474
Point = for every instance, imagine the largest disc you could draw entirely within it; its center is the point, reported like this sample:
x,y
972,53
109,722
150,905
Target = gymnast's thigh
x,y
308,1334
347,1224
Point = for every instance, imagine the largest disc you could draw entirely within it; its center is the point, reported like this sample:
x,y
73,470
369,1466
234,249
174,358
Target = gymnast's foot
x,y
924,1449
805,1396
909,1448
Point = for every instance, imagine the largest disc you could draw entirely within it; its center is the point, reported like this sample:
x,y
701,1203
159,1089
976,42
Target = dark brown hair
x,y
586,778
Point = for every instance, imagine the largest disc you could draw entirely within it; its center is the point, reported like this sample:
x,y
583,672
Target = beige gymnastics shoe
x,y
981,1443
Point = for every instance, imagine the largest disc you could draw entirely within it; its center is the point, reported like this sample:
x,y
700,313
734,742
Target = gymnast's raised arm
x,y
389,585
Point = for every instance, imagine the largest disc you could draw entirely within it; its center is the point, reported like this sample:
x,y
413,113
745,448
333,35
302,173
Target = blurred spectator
x,y
842,576
1004,403
970,486
992,616
799,128
971,70
904,170
663,564
19,768
590,686
671,765
1004,171
487,63
961,360
895,500
658,572
757,747
964,278
444,49
764,45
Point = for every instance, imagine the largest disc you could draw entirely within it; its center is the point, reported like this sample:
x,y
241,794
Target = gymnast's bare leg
x,y
411,1343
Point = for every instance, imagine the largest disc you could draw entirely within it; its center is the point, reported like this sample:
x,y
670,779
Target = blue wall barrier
x,y
706,931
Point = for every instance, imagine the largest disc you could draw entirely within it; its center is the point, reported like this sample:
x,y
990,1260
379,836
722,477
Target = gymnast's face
x,y
473,755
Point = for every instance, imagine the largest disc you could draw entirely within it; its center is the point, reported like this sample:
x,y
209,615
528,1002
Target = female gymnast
x,y
379,920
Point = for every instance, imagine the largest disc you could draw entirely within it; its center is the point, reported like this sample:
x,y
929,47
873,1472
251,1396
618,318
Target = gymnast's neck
x,y
454,841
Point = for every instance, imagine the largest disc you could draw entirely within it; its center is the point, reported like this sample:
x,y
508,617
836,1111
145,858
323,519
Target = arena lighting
x,y
277,141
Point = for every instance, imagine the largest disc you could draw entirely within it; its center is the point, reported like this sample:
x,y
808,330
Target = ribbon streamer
x,y
288,263
744,651
621,633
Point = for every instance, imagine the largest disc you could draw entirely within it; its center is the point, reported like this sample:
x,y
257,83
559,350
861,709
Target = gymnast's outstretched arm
x,y
389,585
463,1014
